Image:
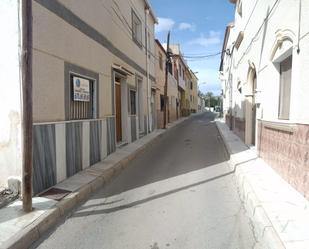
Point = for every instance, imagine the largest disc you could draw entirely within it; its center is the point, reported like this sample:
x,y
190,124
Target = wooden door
x,y
118,113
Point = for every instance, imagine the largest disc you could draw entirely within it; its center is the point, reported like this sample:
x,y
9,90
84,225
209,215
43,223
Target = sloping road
x,y
180,193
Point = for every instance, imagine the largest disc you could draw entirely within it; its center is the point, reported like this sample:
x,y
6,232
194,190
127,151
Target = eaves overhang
x,y
148,6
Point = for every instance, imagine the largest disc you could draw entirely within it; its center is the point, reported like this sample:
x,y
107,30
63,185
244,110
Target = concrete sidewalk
x,y
279,214
20,230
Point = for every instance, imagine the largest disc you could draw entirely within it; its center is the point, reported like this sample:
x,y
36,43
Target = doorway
x,y
153,110
140,106
118,109
251,107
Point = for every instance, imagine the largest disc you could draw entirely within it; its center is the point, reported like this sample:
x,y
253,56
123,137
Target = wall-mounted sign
x,y
81,90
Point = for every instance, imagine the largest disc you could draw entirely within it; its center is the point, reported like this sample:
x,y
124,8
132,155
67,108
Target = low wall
x,y
286,149
60,150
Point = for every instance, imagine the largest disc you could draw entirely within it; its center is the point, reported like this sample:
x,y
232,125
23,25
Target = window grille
x,y
81,109
132,102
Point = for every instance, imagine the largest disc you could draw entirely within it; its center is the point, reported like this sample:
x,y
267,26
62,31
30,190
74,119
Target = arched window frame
x,y
284,48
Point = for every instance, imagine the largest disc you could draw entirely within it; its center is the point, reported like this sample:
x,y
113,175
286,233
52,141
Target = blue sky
x,y
198,26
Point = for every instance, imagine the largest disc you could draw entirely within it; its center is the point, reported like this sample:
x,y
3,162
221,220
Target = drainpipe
x,y
147,69
26,102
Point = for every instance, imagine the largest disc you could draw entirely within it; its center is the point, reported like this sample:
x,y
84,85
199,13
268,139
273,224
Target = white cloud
x,y
186,26
213,38
211,77
165,24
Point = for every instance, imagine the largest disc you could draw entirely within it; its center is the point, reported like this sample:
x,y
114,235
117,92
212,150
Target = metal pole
x,y
166,78
26,102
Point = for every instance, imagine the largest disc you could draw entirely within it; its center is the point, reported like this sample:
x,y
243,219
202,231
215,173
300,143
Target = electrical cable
x,y
258,31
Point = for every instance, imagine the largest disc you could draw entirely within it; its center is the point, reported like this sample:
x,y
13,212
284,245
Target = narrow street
x,y
178,194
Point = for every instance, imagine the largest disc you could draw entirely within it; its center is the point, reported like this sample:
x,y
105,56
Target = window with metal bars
x,y
81,104
132,102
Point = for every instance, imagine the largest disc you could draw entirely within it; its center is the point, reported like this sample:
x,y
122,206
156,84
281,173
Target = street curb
x,y
32,232
264,232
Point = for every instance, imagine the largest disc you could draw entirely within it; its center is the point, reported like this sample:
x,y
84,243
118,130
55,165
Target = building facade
x,y
200,103
265,83
180,68
93,75
172,87
193,92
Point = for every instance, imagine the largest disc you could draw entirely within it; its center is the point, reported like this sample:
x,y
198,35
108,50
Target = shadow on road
x,y
135,203
193,145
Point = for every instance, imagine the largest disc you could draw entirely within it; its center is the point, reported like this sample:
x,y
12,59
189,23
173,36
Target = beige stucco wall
x,y
193,92
65,43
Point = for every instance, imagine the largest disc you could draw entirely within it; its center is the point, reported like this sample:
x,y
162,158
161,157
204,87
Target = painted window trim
x,y
130,110
137,42
70,69
282,36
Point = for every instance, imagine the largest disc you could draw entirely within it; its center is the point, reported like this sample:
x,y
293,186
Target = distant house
x,y
172,87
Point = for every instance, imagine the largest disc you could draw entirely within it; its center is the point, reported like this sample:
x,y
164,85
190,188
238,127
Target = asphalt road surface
x,y
179,194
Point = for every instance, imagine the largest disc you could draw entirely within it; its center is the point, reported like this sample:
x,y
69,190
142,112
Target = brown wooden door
x,y
118,113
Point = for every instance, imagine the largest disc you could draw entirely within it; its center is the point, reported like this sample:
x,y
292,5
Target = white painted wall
x,y
10,134
257,48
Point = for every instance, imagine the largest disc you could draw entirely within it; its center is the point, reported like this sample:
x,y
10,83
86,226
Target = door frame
x,y
250,113
124,106
140,101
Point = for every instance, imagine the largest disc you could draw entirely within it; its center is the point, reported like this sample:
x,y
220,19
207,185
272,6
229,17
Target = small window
x,y
191,85
161,102
81,104
132,102
136,29
183,74
170,68
160,61
285,88
180,70
175,71
191,98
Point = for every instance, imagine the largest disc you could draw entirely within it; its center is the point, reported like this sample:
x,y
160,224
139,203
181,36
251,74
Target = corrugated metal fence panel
x,y
44,157
74,147
95,142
